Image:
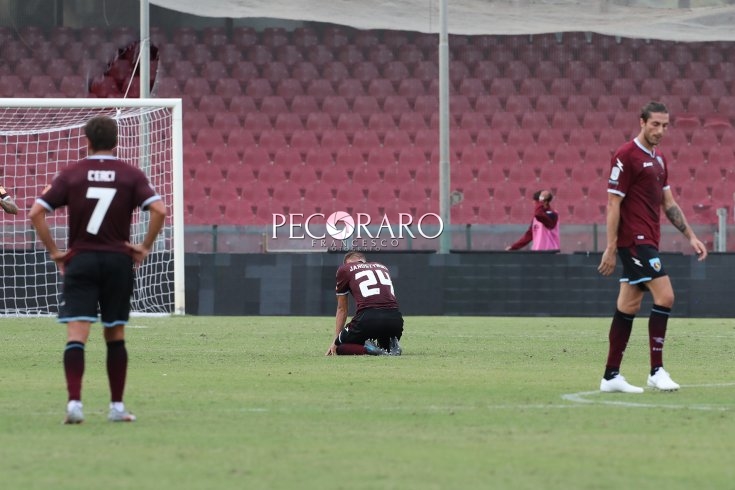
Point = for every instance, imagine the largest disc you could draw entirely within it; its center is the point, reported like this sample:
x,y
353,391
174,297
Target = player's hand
x,y
59,257
607,263
139,252
332,351
699,248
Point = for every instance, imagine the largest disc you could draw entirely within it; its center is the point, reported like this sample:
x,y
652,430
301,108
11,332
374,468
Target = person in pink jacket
x,y
544,228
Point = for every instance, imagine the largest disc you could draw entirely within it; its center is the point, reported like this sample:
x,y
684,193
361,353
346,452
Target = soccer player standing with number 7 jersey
x,y
377,325
101,193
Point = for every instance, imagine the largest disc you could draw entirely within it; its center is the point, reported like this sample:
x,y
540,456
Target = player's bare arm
x,y
676,216
158,213
609,256
7,203
339,321
37,216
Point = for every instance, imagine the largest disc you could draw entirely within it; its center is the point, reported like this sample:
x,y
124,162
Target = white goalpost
x,y
38,138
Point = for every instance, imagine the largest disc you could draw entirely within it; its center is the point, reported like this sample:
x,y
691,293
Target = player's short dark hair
x,y
358,255
652,107
101,131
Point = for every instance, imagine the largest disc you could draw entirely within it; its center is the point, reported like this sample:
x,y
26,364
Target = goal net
x,y
40,137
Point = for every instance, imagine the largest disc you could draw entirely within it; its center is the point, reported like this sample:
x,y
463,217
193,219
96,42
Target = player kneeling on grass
x,y
377,325
101,193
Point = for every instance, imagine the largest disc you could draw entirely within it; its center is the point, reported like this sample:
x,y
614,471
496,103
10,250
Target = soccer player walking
x,y
101,193
377,317
638,189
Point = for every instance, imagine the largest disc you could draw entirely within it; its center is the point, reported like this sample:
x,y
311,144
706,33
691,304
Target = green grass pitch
x,y
474,403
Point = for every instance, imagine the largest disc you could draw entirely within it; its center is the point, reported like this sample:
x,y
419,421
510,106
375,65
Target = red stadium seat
x,y
365,140
565,120
395,138
225,120
350,88
381,122
519,137
349,122
320,55
319,88
563,87
396,105
257,122
272,140
209,139
319,158
258,88
365,105
335,71
334,140
303,140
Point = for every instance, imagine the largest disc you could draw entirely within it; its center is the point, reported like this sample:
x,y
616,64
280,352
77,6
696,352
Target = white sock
x,y
73,404
117,406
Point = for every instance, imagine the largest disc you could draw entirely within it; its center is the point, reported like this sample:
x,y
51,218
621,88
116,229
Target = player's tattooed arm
x,y
674,214
9,206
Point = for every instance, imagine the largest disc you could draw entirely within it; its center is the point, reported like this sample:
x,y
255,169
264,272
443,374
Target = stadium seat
x,y
304,72
714,88
576,70
502,87
397,105
287,158
303,176
303,140
318,158
563,87
519,137
245,71
609,104
365,140
242,105
532,87
258,88
256,122
209,138
428,139
567,120
596,121
535,156
381,158
548,104
223,121
239,137
211,104
229,55
69,86
350,88
395,138
426,71
381,122
700,105
350,54
320,55
395,71
288,122
319,88
697,71
349,122
704,138
225,157
272,140
334,139
349,158
365,105
519,104
335,71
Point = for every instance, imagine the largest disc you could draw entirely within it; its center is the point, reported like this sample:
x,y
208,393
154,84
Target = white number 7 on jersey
x,y
104,197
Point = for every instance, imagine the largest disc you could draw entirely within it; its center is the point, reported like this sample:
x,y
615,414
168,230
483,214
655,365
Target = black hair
x,y
101,131
652,107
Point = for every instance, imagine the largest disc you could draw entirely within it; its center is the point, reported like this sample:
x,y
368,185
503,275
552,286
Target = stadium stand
x,y
314,98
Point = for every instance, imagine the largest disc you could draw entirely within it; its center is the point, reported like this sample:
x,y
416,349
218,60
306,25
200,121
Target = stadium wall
x,y
482,283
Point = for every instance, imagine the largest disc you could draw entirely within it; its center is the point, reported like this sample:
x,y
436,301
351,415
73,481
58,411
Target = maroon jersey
x,y
640,177
101,193
369,283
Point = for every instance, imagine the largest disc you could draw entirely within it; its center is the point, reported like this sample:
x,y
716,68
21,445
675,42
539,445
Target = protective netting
x,y
35,144
675,20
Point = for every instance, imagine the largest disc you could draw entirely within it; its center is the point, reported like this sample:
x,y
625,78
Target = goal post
x,y
38,138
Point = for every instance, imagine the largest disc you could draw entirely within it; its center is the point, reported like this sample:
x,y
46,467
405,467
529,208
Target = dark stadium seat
x,y
289,55
594,87
288,122
304,37
349,88
335,71
607,71
319,55
567,120
319,88
11,86
697,71
305,71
